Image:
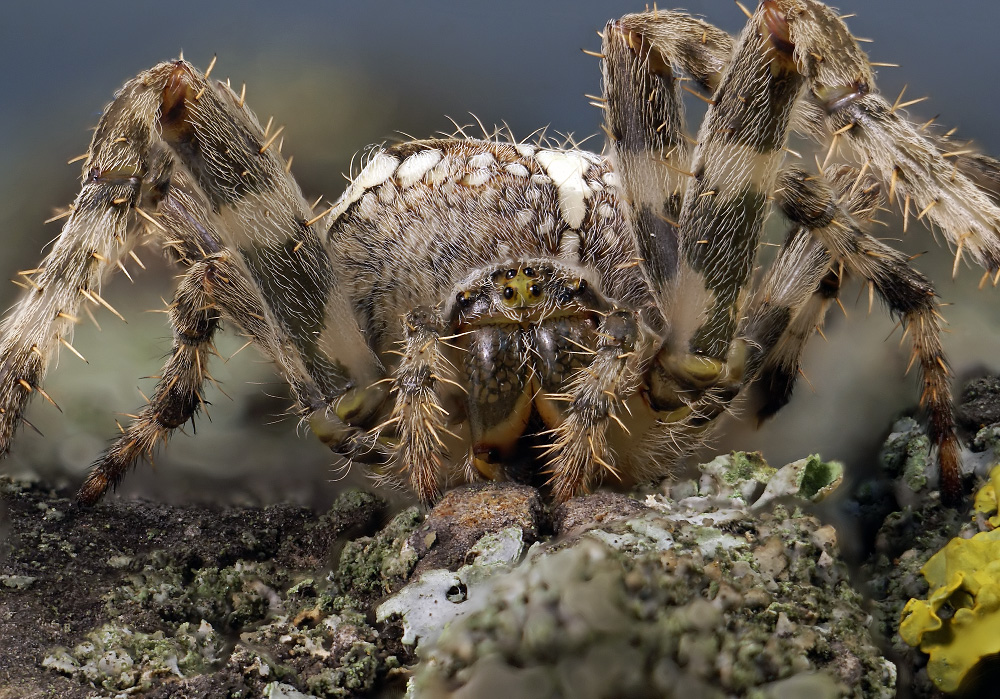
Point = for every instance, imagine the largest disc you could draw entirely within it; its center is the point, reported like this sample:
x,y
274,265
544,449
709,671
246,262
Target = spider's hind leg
x,y
946,192
908,295
786,311
125,176
178,393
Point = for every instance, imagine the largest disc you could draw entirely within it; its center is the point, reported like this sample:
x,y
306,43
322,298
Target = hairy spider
x,y
481,308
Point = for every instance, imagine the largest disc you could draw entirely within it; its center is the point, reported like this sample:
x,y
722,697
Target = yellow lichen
x,y
987,500
965,576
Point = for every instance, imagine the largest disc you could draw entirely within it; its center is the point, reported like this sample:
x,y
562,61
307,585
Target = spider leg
x,y
645,57
579,457
178,393
908,294
213,282
804,279
419,416
786,311
698,227
840,79
123,179
183,158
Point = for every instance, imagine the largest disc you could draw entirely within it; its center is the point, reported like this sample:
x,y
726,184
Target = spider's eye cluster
x,y
522,287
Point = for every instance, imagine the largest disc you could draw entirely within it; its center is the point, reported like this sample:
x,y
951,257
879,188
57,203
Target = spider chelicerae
x,y
483,308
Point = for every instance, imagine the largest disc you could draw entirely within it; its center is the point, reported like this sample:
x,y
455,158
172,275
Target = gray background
x,y
341,75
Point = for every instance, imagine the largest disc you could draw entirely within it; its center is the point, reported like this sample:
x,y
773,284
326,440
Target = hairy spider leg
x,y
698,225
787,309
186,158
122,180
418,414
841,81
579,457
908,295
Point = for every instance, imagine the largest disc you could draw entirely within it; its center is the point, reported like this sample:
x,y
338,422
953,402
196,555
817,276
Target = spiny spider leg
x,y
185,158
804,279
645,122
212,288
908,294
734,165
179,390
698,225
785,313
579,458
841,80
420,418
123,178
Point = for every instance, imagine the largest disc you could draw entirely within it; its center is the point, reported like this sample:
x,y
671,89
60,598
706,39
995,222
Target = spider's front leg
x,y
185,158
124,178
579,455
419,417
698,221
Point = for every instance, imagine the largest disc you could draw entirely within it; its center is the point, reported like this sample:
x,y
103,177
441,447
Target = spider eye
x,y
508,292
529,271
581,286
463,298
511,273
535,290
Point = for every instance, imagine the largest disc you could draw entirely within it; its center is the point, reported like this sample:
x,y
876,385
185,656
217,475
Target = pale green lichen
x,y
656,606
372,566
117,658
906,454
810,478
290,629
747,466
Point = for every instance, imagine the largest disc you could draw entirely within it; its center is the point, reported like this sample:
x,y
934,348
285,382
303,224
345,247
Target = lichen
x,y
965,580
252,626
987,500
372,566
702,596
440,596
907,454
117,658
747,466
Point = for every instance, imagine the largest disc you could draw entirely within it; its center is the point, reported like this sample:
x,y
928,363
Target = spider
x,y
522,310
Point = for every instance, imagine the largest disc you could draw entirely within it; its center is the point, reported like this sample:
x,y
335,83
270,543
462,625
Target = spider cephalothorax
x,y
478,308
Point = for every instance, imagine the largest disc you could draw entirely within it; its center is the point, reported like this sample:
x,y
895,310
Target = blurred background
x,y
342,75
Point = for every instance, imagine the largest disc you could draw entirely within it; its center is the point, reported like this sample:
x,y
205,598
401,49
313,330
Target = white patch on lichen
x,y
425,606
280,690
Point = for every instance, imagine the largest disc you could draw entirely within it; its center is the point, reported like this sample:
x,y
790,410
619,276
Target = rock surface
x,y
727,585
